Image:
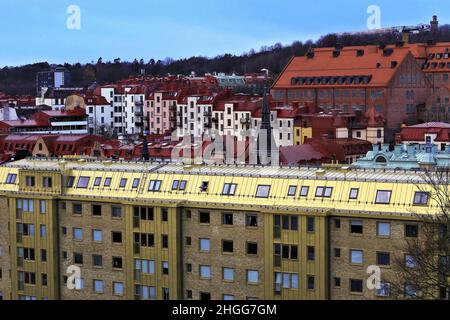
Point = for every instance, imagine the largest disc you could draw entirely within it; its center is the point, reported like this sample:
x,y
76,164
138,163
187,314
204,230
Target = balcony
x,y
139,124
139,103
139,114
208,125
207,114
173,108
245,121
215,120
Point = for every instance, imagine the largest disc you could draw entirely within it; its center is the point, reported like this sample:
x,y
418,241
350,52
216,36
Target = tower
x,y
434,24
265,136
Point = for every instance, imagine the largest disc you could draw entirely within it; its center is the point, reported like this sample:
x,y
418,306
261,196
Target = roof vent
x,y
394,64
400,44
310,53
336,53
359,52
378,65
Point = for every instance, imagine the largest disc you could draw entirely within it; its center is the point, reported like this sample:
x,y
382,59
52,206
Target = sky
x,y
36,30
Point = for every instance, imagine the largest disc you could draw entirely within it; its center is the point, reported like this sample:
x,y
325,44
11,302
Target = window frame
x,y
377,201
353,197
263,186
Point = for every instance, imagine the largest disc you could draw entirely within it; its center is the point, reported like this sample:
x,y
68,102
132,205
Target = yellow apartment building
x,y
148,231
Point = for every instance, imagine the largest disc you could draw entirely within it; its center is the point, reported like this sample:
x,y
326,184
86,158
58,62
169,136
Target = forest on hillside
x,y
21,80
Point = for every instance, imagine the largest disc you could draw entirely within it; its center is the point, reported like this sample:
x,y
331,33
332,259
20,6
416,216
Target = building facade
x,y
151,231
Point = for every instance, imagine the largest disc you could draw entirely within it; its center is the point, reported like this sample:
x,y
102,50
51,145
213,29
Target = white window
x,y
383,197
78,234
228,297
205,245
356,256
354,193
205,272
43,230
97,235
118,288
262,191
292,191
252,276
410,261
228,274
383,229
98,286
304,191
385,289
83,182
154,185
286,280
294,281
42,206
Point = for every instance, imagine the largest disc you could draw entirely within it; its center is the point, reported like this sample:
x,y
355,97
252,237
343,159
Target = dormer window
x,y
292,191
383,197
154,185
263,191
229,189
11,178
204,186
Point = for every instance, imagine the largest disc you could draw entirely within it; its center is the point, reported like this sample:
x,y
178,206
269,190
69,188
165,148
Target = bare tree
x,y
423,273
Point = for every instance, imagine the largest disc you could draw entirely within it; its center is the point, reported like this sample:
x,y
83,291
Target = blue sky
x,y
35,30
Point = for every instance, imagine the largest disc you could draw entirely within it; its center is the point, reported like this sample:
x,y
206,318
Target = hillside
x,y
21,80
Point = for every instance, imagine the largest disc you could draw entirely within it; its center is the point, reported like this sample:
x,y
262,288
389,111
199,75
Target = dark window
x,y
294,252
97,260
117,237
356,285
205,296
117,262
164,215
311,284
311,253
337,223
204,186
411,231
356,226
204,217
383,258
165,241
251,220
310,224
337,282
78,258
77,208
30,181
252,248
96,210
227,218
337,252
227,246
43,255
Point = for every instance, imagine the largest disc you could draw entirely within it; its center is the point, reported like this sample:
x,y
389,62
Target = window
x,y
324,192
47,182
383,197
30,181
116,212
97,182
311,253
304,191
43,230
175,184
123,183
356,226
204,217
165,267
205,272
383,258
135,183
292,191
311,282
165,241
97,235
77,234
262,191
97,260
229,189
410,261
421,198
356,256
205,296
11,178
78,258
252,276
252,248
118,288
383,229
42,206
204,186
116,237
356,286
96,210
337,282
107,182
411,231
251,220
205,245
70,181
227,218
227,246
310,224
43,255
337,223
77,208
83,182
117,262
164,215
353,194
337,252
228,274
99,286
410,290
228,297
154,185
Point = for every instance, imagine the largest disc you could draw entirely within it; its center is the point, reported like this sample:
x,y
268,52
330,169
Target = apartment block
x,y
141,230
